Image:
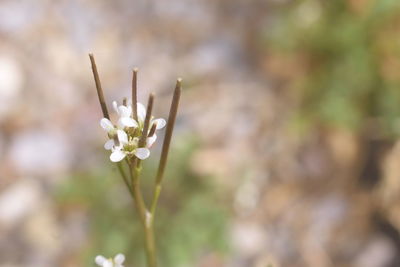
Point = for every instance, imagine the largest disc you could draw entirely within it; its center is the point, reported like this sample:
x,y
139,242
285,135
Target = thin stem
x,y
143,137
98,87
125,178
145,216
150,246
137,196
167,141
156,195
134,93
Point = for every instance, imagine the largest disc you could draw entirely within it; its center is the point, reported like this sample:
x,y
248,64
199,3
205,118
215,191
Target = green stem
x,y
150,244
125,178
145,216
156,195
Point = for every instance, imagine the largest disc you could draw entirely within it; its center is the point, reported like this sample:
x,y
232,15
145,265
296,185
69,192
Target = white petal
x,y
142,153
141,112
106,124
119,258
99,260
151,140
117,155
122,137
120,125
124,111
127,122
109,144
160,123
108,263
115,106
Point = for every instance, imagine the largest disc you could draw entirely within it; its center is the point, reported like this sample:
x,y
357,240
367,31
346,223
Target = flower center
x,y
131,145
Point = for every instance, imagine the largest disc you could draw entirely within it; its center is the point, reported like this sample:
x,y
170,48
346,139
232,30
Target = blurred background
x,y
285,152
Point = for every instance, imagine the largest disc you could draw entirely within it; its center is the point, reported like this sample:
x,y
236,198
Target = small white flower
x,y
116,262
128,146
125,113
124,137
107,125
141,112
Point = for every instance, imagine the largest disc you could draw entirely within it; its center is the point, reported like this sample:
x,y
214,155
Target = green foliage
x,y
191,219
351,56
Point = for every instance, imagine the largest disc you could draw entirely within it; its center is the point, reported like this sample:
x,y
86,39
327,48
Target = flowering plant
x,y
116,262
124,138
130,140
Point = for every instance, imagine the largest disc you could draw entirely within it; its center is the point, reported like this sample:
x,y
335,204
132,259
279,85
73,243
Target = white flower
x,y
160,123
125,113
141,112
128,146
116,262
107,125
124,137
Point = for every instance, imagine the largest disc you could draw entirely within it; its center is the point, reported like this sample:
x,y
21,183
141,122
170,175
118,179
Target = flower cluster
x,y
116,262
125,135
130,138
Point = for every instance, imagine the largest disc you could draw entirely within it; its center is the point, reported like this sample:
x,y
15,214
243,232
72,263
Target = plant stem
x,y
150,244
123,175
145,216
156,195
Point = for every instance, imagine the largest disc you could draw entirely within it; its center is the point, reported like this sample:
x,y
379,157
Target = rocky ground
x,y
297,200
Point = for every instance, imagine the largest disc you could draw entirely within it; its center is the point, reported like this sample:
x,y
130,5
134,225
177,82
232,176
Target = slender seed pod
x,y
152,129
134,93
142,140
98,87
168,132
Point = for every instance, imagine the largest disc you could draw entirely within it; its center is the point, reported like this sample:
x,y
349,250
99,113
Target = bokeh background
x,y
285,152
